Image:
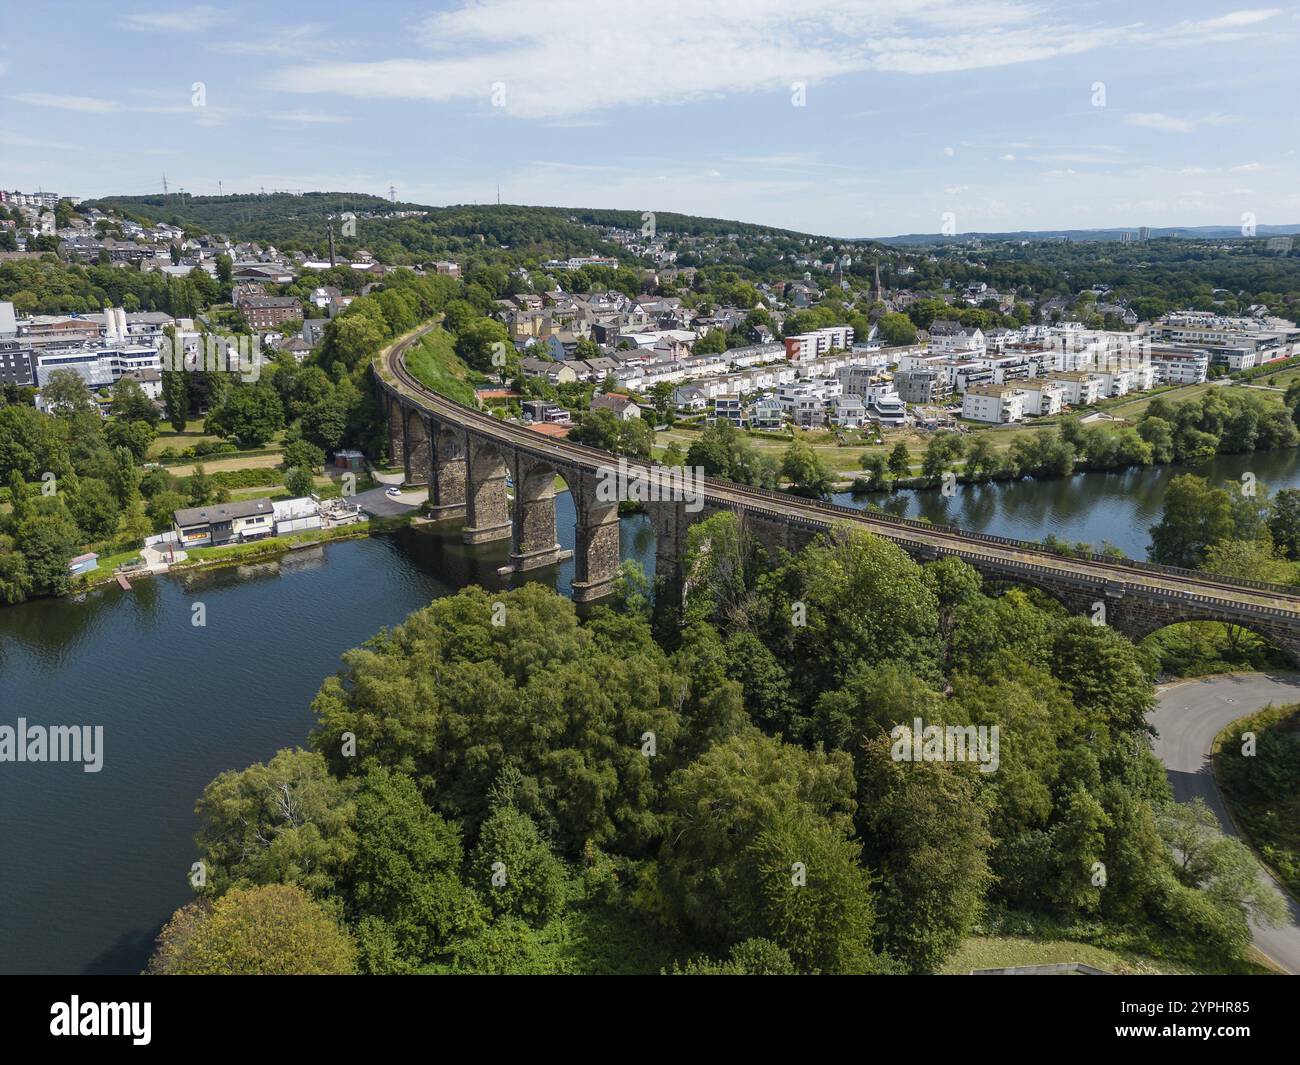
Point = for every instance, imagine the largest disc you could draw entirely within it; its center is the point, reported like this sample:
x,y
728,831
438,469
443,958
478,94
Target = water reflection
x,y
1116,507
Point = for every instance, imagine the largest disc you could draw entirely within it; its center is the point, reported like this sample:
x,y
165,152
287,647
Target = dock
x,y
123,582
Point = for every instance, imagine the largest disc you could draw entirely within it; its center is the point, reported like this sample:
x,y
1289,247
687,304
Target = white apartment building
x,y
1042,397
1079,388
1172,367
819,342
952,338
995,404
98,366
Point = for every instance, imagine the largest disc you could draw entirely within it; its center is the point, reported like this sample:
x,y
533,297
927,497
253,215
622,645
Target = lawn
x,y
846,459
998,952
224,463
434,363
189,436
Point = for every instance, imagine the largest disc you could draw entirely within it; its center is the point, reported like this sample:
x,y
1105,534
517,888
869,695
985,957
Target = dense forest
x,y
719,784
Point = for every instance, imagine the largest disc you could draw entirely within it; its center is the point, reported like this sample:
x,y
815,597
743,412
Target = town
x,y
762,489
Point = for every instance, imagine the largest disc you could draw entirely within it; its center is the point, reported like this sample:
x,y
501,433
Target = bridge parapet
x,y
1139,596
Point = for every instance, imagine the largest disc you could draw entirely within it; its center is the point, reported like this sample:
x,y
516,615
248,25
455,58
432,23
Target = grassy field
x,y
845,459
997,952
223,463
189,436
434,362
1281,379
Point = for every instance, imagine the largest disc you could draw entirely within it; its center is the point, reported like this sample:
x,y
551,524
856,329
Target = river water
x,y
92,864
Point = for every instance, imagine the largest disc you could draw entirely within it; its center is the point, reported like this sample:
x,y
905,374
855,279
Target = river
x,y
91,864
1118,507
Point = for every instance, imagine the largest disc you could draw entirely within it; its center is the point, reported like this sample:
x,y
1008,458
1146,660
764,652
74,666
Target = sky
x,y
848,118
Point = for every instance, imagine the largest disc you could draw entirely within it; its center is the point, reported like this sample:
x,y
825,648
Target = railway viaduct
x,y
464,456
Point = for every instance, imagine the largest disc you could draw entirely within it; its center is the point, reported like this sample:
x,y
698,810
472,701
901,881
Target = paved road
x,y
1188,715
378,502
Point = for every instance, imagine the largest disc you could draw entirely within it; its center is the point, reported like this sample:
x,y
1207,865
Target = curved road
x,y
1188,715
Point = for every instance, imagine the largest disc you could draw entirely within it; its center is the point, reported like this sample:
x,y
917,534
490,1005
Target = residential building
x,y
541,410
690,399
1173,366
1041,396
996,404
267,312
767,414
624,407
236,522
848,411
922,386
729,409
818,342
1080,389
558,373
949,337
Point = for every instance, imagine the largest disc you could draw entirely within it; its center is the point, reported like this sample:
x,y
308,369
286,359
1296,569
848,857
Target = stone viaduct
x,y
468,459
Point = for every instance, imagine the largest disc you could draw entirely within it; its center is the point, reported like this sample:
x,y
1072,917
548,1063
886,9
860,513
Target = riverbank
x,y
202,558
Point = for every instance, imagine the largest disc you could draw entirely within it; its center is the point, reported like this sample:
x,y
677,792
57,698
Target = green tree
x,y
299,481
276,930
95,509
176,398
130,404
283,822
512,866
1195,517
924,828
304,454
807,473
252,414
406,867
896,330
48,542
900,462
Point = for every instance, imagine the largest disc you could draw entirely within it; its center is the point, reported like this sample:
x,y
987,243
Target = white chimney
x,y
110,325
120,314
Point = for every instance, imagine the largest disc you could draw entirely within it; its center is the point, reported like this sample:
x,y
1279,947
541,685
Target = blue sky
x,y
1007,114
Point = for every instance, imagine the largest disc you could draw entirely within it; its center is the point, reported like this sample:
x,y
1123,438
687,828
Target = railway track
x,y
1013,555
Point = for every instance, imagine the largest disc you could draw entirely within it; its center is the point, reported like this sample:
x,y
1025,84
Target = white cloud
x,y
716,48
1224,24
284,41
1173,124
1008,158
1247,168
310,117
197,19
87,104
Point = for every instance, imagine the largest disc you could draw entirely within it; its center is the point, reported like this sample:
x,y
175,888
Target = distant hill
x,y
1188,232
292,222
